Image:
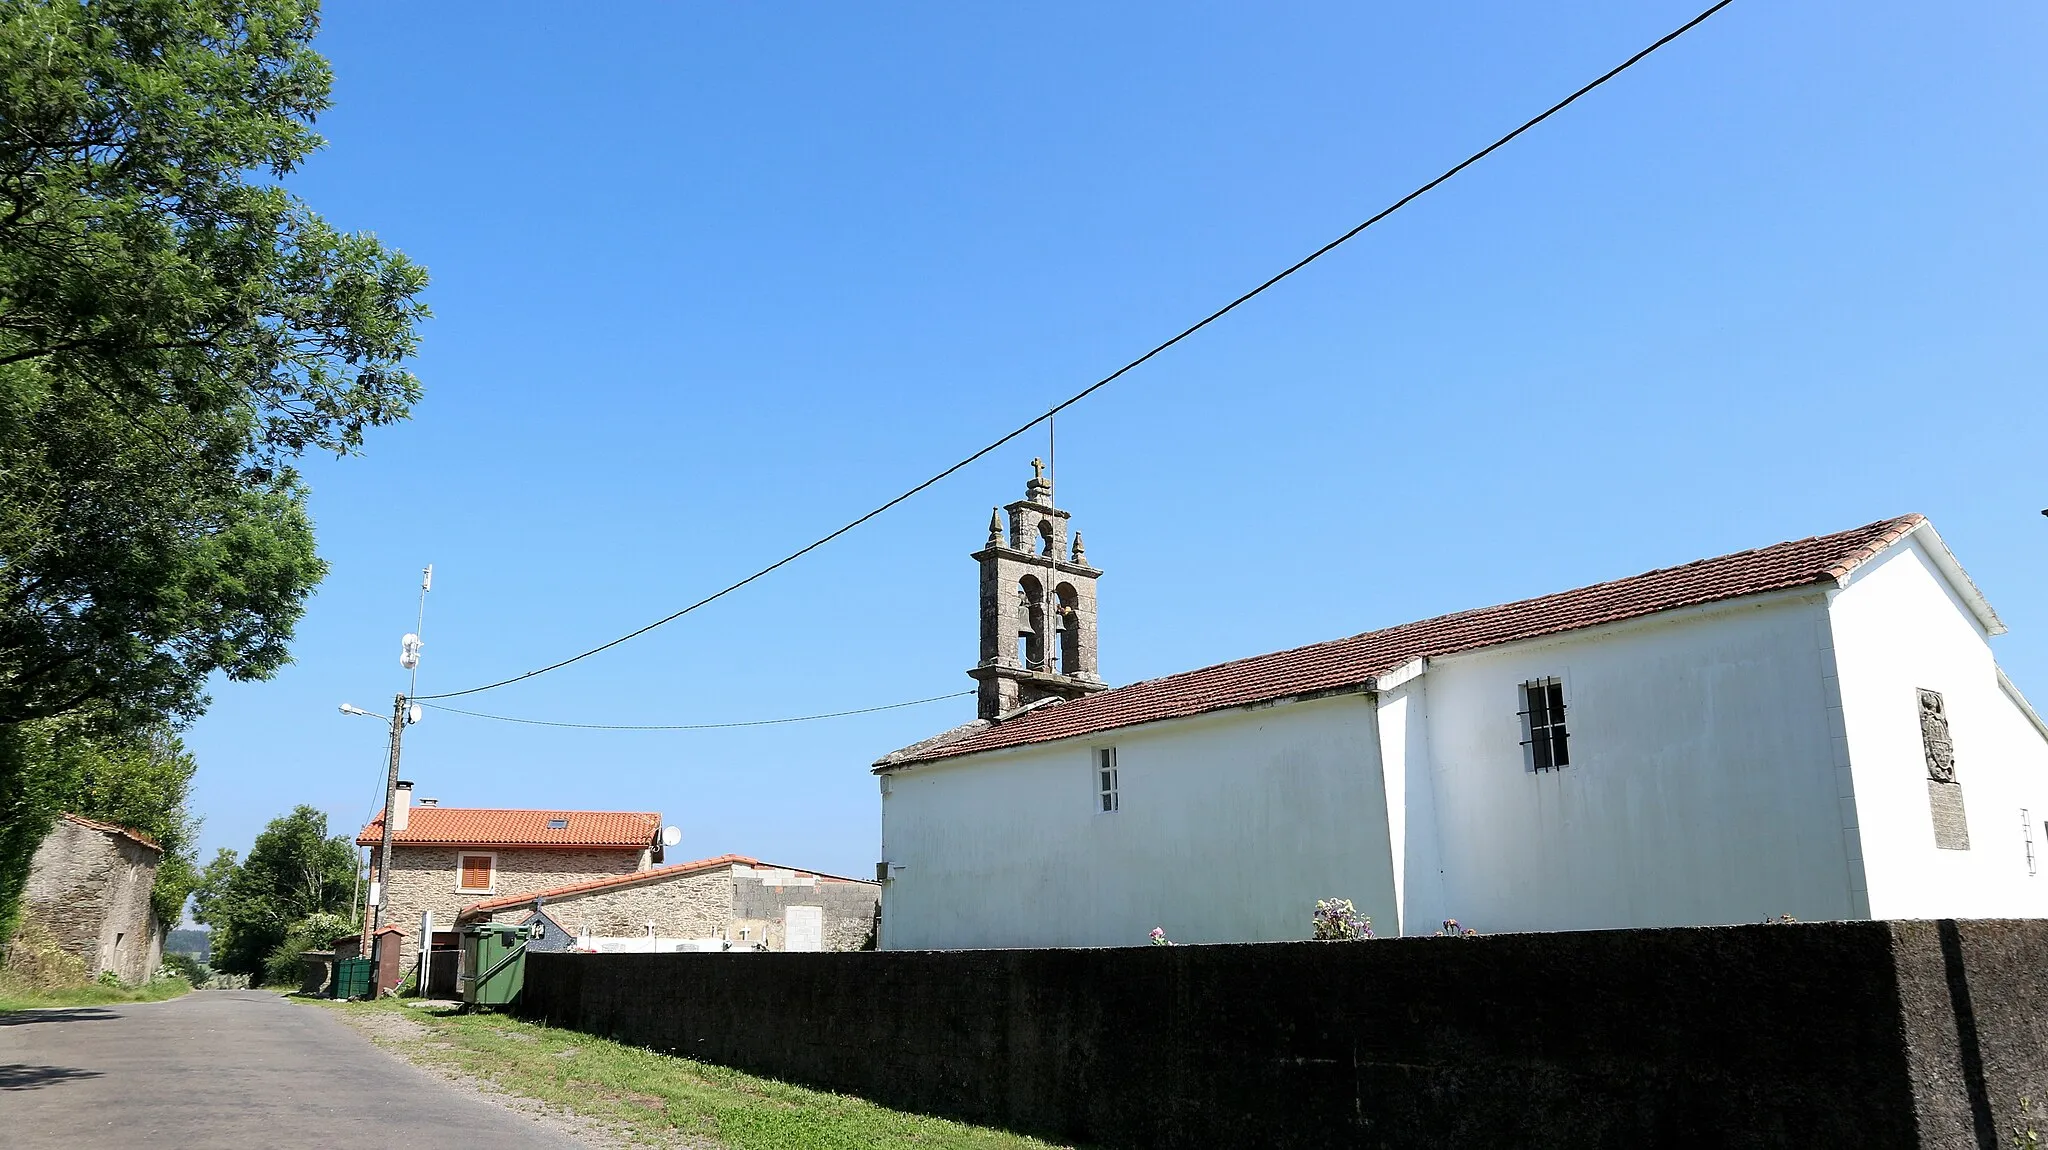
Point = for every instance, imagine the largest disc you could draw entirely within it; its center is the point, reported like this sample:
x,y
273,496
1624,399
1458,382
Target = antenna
x,y
426,585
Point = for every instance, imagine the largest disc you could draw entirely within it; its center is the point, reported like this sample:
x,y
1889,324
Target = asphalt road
x,y
227,1070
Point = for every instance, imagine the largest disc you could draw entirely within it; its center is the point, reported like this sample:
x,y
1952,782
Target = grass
x,y
14,996
654,1097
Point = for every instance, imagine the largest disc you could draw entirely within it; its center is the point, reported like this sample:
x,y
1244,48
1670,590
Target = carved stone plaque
x,y
1934,738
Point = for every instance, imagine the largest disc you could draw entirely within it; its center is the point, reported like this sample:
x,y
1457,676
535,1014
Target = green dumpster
x,y
493,965
352,978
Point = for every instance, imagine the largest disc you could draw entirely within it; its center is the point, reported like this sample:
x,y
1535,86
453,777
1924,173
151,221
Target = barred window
x,y
1543,734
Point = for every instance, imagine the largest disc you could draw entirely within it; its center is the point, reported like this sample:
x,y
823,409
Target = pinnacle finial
x,y
995,525
1080,552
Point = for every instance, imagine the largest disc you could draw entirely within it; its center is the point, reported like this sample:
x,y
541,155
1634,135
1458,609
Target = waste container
x,y
493,965
352,978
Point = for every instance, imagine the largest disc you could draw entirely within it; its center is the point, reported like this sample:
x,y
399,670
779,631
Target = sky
x,y
710,281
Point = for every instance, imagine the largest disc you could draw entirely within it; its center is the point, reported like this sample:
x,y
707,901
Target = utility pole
x,y
390,800
380,887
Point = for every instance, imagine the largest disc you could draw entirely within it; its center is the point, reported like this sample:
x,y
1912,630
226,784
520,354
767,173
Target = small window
x,y
1105,779
1543,733
476,876
558,824
2027,832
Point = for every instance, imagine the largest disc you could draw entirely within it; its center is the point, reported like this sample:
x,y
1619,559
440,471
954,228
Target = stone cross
x,y
1037,468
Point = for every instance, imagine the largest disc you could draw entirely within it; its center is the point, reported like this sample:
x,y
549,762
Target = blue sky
x,y
710,281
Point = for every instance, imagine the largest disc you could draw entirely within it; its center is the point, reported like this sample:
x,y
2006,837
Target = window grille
x,y
1545,744
1105,779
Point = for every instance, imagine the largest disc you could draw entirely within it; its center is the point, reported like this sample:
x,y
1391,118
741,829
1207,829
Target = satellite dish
x,y
670,836
413,714
409,651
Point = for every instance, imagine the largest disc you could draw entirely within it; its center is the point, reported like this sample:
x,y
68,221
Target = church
x,y
1815,728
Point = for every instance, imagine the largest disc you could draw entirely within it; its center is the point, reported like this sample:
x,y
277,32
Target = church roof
x,y
1356,662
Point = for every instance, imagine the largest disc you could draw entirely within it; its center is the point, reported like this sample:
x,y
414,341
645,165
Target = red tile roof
x,y
486,827
658,874
1355,662
116,829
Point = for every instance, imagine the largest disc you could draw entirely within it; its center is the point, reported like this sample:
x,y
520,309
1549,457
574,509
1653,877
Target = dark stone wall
x,y
1803,1034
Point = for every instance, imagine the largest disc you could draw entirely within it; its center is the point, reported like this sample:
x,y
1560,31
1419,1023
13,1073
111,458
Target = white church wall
x,y
1411,795
1230,826
1899,627
1701,788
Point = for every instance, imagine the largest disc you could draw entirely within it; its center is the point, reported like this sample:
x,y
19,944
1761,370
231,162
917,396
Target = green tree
x,y
140,780
294,869
174,329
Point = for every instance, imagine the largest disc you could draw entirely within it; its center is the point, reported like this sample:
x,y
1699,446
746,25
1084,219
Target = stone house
x,y
89,885
732,897
445,858
1817,728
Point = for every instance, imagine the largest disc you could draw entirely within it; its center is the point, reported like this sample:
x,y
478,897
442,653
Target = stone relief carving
x,y
1934,738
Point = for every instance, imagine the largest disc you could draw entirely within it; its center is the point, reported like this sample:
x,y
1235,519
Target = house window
x,y
1105,779
1543,732
558,824
2027,831
476,874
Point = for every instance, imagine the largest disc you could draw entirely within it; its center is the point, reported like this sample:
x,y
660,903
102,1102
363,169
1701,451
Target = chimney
x,y
401,807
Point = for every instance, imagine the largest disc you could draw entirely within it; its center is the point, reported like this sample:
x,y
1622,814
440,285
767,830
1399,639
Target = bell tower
x,y
1037,606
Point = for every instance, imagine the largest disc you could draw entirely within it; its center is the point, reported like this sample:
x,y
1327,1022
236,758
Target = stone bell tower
x,y
1037,607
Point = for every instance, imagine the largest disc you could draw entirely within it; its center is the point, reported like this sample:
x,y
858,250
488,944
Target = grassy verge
x,y
17,997
653,1097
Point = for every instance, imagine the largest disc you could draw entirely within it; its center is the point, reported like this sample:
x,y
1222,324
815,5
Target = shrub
x,y
186,967
1336,920
313,932
35,963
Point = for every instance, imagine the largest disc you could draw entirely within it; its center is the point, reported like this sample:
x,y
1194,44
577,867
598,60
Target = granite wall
x,y
90,887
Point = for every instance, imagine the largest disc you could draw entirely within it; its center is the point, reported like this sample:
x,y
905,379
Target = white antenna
x,y
413,643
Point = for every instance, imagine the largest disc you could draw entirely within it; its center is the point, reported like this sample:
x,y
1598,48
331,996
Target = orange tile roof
x,y
658,874
116,829
1355,662
490,827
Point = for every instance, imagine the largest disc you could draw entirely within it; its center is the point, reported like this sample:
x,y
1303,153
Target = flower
x,y
1159,936
1336,920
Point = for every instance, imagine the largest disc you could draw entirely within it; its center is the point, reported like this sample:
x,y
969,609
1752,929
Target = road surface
x,y
227,1070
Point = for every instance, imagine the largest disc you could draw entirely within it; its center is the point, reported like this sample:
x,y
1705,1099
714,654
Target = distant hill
x,y
197,943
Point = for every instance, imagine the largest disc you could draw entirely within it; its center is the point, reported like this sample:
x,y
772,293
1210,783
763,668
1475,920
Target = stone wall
x,y
741,903
425,878
759,903
1867,1034
687,906
91,888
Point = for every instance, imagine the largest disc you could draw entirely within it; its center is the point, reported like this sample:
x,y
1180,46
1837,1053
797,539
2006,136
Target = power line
x,y
694,726
1112,377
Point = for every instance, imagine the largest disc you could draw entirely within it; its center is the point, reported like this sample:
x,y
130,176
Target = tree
x,y
140,780
294,869
174,330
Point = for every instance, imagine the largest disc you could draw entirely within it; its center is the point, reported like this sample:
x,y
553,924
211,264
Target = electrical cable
x,y
694,726
1112,377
